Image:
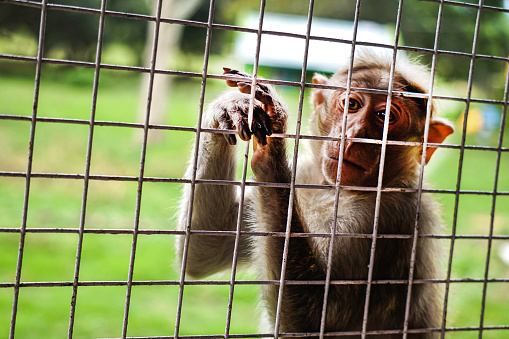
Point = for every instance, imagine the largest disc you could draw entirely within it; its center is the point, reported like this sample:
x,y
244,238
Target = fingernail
x,y
268,127
231,83
245,133
260,136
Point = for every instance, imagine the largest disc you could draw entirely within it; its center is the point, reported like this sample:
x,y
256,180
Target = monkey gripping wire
x,y
86,178
244,174
22,231
38,60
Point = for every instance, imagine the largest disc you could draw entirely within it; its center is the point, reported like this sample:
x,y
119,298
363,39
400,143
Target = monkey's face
x,y
365,114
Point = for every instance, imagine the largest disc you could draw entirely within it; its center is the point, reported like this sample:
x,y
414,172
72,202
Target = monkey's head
x,y
365,112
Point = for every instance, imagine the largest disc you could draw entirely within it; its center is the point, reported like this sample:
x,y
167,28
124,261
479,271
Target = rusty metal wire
x,y
87,171
244,183
421,173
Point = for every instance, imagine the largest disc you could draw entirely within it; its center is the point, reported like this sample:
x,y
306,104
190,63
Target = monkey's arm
x,y
214,207
269,164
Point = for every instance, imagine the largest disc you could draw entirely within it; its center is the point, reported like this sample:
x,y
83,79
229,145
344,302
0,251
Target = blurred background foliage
x,y
66,92
78,39
73,34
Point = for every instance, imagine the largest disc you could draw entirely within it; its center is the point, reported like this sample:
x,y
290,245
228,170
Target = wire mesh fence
x,y
77,263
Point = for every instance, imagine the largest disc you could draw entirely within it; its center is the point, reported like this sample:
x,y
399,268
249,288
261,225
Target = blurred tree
x,y
169,38
76,33
419,20
193,38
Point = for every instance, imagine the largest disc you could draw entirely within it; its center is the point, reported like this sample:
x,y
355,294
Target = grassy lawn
x,y
61,148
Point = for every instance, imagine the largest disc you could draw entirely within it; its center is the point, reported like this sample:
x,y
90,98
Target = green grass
x,y
61,148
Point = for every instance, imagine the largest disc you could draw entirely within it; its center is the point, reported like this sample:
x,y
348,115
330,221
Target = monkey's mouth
x,y
349,164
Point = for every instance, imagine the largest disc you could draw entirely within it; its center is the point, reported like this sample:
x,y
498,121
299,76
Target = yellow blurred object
x,y
475,120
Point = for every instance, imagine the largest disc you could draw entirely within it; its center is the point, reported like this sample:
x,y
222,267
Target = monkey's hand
x,y
269,153
265,96
230,112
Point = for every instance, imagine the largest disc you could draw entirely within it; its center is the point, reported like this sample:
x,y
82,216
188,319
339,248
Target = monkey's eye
x,y
353,105
381,116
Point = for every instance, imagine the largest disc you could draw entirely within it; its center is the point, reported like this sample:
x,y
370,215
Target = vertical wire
x,y
256,62
142,169
381,173
460,164
421,172
237,241
195,166
244,174
22,231
77,264
339,171
292,197
495,188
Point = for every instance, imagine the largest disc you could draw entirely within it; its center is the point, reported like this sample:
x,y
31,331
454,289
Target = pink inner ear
x,y
319,79
317,93
318,98
439,129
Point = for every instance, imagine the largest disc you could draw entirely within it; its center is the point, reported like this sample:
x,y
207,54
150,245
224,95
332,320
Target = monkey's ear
x,y
319,79
439,129
318,93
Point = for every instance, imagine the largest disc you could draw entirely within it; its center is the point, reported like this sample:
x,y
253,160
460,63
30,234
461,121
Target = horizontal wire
x,y
471,5
204,25
117,231
199,23
327,334
248,183
226,131
223,77
246,282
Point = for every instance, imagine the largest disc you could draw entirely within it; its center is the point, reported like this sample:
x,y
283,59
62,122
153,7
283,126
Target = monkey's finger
x,y
243,130
231,83
259,133
230,139
261,117
227,70
244,87
262,92
237,121
235,83
226,124
236,73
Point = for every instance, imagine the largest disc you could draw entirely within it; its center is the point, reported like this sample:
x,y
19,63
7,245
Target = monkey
x,y
215,207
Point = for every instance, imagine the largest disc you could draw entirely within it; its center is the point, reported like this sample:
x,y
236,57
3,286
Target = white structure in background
x,y
287,52
503,252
